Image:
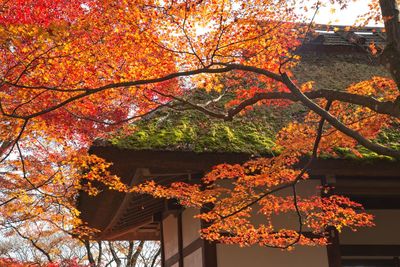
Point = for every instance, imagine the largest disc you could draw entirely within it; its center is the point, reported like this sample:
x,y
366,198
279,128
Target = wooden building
x,y
375,183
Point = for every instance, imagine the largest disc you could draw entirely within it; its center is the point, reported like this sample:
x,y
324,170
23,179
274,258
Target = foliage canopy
x,y
74,71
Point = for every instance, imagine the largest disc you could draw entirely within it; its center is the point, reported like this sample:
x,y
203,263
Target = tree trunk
x,y
391,54
100,253
133,257
154,261
114,254
89,253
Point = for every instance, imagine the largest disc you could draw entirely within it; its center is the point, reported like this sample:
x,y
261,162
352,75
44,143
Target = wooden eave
x,y
120,216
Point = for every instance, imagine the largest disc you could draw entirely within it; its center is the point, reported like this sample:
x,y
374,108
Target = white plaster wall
x,y
289,220
170,231
190,226
385,232
307,187
194,259
234,256
256,256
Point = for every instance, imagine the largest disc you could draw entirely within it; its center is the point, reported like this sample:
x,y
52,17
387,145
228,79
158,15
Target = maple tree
x,y
73,71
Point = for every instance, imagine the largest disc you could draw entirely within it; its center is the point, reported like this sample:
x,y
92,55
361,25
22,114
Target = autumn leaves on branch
x,y
74,71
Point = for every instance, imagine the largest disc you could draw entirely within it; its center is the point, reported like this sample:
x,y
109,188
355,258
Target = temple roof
x,y
254,133
171,146
338,35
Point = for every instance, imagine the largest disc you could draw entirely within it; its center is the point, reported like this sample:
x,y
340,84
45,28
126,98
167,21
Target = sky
x,y
343,17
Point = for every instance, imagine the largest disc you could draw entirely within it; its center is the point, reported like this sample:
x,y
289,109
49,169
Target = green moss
x,y
389,137
191,131
253,133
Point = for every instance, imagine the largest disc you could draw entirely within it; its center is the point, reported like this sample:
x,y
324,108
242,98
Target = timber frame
x,y
117,216
121,216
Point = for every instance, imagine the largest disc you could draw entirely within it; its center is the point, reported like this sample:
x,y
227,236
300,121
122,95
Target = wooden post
x,y
396,262
159,218
209,248
334,257
180,239
333,248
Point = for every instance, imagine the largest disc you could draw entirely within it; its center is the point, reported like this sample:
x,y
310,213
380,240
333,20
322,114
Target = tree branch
x,y
291,184
155,257
114,254
34,243
381,107
89,253
388,107
382,150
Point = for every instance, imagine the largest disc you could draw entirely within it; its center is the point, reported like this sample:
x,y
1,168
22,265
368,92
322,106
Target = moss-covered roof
x,y
389,137
193,131
254,133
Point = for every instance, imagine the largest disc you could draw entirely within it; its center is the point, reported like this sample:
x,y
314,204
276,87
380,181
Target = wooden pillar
x,y
209,248
180,239
333,248
396,262
173,211
159,218
209,254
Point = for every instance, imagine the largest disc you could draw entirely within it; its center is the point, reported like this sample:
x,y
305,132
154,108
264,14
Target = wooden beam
x,y
370,262
189,161
174,161
377,202
121,234
343,167
370,250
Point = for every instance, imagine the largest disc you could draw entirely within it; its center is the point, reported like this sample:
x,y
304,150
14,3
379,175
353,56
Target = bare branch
x,y
155,256
89,252
16,140
114,254
34,243
194,106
